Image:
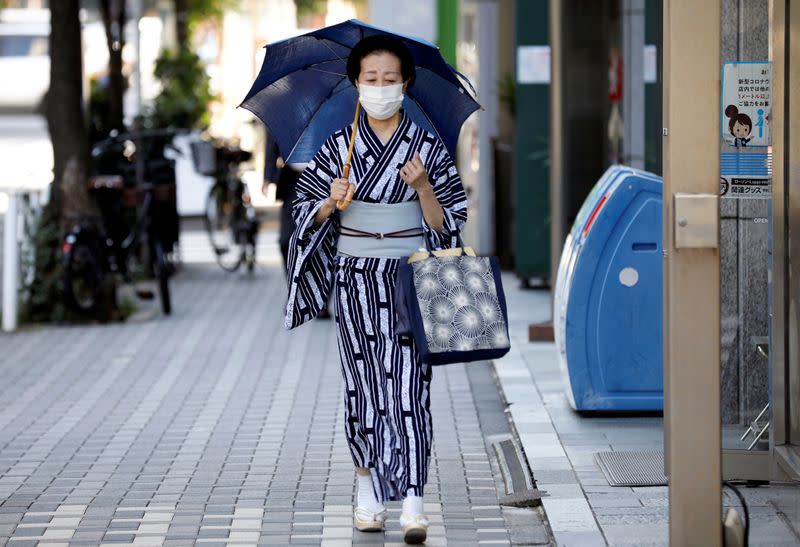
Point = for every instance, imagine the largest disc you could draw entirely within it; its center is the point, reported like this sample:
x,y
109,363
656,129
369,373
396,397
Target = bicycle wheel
x,y
83,276
220,221
162,271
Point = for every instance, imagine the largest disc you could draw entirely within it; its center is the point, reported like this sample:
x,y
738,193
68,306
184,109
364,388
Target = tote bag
x,y
452,303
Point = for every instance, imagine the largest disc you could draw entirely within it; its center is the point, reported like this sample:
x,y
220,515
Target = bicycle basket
x,y
204,156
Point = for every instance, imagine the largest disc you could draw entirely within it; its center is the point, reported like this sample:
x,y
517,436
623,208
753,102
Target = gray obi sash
x,y
380,230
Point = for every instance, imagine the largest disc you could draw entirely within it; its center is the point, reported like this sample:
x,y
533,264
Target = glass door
x,y
745,242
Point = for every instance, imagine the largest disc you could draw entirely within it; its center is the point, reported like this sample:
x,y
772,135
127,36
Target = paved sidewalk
x,y
215,426
581,507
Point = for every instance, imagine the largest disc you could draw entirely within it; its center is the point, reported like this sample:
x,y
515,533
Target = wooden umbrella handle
x,y
342,204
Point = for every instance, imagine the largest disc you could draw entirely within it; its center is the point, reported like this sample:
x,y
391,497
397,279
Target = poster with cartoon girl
x,y
740,125
746,104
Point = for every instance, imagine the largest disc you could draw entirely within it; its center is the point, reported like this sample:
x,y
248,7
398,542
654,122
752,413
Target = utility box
x,y
607,304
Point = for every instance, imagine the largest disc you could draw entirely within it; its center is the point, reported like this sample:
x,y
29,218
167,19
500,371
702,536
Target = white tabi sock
x,y
412,505
366,495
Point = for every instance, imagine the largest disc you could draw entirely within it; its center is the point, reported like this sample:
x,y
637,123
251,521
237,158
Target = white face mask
x,y
381,102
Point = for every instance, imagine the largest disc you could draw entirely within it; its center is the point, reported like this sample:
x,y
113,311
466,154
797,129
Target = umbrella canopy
x,y
303,95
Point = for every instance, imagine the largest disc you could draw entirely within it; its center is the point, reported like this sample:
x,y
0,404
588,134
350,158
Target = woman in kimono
x,y
407,195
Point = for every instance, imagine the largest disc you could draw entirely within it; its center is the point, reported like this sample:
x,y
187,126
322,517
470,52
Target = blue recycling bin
x,y
607,302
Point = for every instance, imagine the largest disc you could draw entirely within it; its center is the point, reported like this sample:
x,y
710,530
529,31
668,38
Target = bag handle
x,y
455,251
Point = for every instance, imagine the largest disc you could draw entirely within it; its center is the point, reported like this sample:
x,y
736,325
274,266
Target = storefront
x,y
731,224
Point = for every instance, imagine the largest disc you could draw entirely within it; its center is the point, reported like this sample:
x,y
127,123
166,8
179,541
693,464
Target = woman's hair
x,y
380,44
733,113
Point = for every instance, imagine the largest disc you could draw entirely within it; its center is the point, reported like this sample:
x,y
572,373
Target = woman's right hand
x,y
338,192
339,189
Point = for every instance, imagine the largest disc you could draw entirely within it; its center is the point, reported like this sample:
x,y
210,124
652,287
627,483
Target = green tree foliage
x,y
306,8
183,101
202,10
188,13
44,296
185,94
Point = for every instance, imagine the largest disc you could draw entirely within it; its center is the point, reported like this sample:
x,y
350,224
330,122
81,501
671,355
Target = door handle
x,y
696,221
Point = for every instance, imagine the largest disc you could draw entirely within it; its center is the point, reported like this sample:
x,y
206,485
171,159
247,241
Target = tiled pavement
x,y
216,427
560,444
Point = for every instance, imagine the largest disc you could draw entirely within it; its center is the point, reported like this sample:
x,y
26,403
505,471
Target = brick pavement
x,y
215,427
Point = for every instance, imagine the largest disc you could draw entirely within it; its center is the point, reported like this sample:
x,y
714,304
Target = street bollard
x,y
10,265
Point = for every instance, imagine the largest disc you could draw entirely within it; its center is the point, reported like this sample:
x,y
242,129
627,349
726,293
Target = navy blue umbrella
x,y
303,95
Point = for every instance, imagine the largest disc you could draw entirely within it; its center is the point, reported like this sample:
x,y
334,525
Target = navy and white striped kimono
x,y
387,396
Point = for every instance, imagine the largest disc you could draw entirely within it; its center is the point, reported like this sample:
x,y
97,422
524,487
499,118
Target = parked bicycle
x,y
230,218
134,188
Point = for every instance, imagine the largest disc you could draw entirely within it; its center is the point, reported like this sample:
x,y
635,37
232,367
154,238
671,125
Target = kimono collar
x,y
370,138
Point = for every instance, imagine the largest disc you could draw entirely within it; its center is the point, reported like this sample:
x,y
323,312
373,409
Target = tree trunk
x,y
114,16
65,118
182,23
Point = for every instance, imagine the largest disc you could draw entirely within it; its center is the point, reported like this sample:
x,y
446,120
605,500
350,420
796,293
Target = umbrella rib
x,y
465,79
307,67
331,49
314,115
422,110
311,67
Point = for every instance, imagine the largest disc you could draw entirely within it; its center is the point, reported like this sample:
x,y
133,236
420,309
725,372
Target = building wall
x,y
416,18
531,150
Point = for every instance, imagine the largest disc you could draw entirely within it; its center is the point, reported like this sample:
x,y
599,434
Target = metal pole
x,y
10,265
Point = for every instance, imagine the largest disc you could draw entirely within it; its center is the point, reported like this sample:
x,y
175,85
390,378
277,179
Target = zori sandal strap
x,y
367,521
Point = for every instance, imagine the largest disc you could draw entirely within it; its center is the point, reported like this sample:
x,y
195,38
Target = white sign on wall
x,y
650,64
533,64
751,187
746,103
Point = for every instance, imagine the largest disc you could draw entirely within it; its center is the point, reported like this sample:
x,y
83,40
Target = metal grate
x,y
632,468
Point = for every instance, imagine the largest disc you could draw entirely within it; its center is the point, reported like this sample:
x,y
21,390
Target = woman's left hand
x,y
413,173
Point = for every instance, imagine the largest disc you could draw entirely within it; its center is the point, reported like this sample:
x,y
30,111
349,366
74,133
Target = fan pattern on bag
x,y
459,304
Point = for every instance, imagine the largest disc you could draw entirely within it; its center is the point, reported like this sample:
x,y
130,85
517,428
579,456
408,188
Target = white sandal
x,y
367,521
415,528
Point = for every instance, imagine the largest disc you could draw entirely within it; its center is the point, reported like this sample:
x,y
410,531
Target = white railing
x,y
24,200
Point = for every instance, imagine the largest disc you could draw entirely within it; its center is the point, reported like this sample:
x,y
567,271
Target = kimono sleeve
x,y
449,191
311,248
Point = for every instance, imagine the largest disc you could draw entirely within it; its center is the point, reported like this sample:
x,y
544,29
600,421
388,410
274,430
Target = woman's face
x,y
380,69
740,130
